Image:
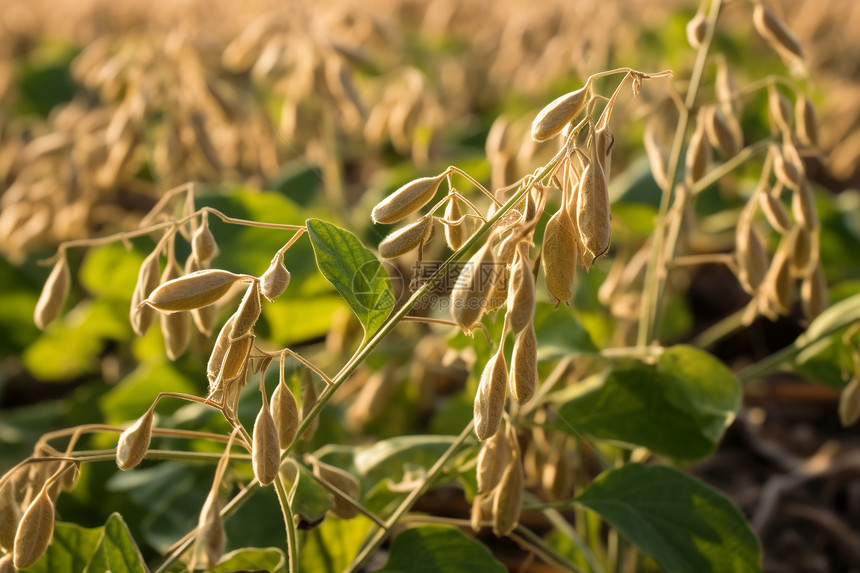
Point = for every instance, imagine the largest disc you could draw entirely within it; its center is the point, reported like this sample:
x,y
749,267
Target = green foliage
x,y
438,549
684,524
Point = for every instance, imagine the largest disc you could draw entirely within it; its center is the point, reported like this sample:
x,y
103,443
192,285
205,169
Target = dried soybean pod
x,y
53,294
490,398
34,531
248,311
750,253
492,460
134,441
482,510
204,318
10,514
508,500
724,134
806,120
698,153
203,244
776,33
658,157
345,482
265,452
407,199
195,290
285,412
276,279
777,282
147,281
7,563
592,209
524,373
803,206
406,238
175,326
558,113
802,255
560,254
813,293
473,285
222,343
211,537
774,211
779,110
455,234
521,291
696,29
309,399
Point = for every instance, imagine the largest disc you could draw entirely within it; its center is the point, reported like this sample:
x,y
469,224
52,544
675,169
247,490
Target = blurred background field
x,y
279,111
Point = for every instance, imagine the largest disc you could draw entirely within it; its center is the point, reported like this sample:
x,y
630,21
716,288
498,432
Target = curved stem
x,y
290,526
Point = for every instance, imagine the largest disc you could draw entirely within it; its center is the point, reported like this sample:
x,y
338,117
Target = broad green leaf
x,y
559,333
110,271
270,559
295,320
332,546
309,501
681,522
354,271
844,313
70,550
116,551
70,347
439,549
134,394
678,407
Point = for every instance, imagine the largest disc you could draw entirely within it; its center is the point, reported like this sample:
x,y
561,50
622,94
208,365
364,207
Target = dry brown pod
x,y
592,210
560,255
803,206
806,119
508,500
558,113
774,210
265,451
276,279
219,350
10,514
53,294
658,157
750,253
343,481
407,199
211,537
455,234
524,372
490,398
492,460
777,282
248,312
779,110
482,510
813,293
473,285
285,412
141,315
803,256
35,531
724,131
698,153
7,564
406,238
697,27
776,33
521,291
203,244
195,290
134,441
175,326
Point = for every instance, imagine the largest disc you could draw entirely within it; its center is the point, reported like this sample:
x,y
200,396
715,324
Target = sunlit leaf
x,y
354,271
678,407
332,546
71,549
439,549
270,559
681,522
116,551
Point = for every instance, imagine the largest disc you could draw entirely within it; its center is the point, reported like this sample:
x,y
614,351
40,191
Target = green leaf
x,y
310,501
439,549
269,559
681,522
70,550
560,333
134,394
678,407
116,551
110,271
293,320
844,313
354,271
332,546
